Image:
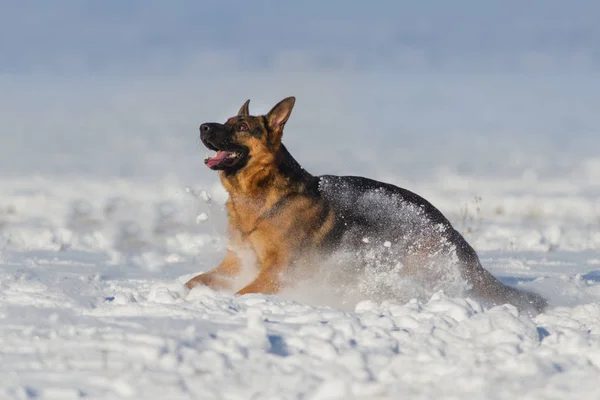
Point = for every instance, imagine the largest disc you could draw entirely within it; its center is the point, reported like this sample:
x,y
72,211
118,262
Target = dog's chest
x,y
243,217
263,236
283,224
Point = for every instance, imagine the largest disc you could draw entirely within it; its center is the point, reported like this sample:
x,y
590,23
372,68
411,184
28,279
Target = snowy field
x,y
488,110
92,303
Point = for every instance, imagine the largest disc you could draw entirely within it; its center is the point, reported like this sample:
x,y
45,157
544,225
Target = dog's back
x,y
399,226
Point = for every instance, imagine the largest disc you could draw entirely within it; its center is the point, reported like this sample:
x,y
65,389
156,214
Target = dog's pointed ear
x,y
245,108
280,113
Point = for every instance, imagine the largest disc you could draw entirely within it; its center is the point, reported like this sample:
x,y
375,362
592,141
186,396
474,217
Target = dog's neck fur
x,y
272,177
279,170
291,169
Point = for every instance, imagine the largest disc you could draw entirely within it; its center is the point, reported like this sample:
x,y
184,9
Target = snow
x,y
92,301
106,207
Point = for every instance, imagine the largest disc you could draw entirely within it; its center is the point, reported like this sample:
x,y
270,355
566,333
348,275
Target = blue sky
x,y
152,35
119,87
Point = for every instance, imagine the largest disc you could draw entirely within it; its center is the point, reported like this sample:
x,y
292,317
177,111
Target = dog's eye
x,y
243,127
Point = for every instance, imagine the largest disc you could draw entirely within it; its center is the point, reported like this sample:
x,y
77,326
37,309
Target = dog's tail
x,y
486,287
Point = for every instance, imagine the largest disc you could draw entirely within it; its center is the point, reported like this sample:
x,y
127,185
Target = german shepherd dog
x,y
290,218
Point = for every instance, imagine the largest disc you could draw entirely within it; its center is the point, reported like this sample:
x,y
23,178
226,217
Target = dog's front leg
x,y
268,280
219,277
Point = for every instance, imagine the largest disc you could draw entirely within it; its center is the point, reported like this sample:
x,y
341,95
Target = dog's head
x,y
245,139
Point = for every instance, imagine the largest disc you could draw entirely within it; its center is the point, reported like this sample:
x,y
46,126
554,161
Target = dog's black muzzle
x,y
216,136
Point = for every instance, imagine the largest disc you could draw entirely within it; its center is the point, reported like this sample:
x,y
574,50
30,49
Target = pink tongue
x,y
218,158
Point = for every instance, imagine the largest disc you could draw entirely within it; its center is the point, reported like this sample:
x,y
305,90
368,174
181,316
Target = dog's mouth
x,y
223,158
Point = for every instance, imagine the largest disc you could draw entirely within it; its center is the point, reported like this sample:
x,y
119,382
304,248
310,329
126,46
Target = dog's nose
x,y
204,128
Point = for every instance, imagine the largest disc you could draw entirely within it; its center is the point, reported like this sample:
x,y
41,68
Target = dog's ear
x,y
279,114
245,109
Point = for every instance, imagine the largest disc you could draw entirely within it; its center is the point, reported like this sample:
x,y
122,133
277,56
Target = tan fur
x,y
254,191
